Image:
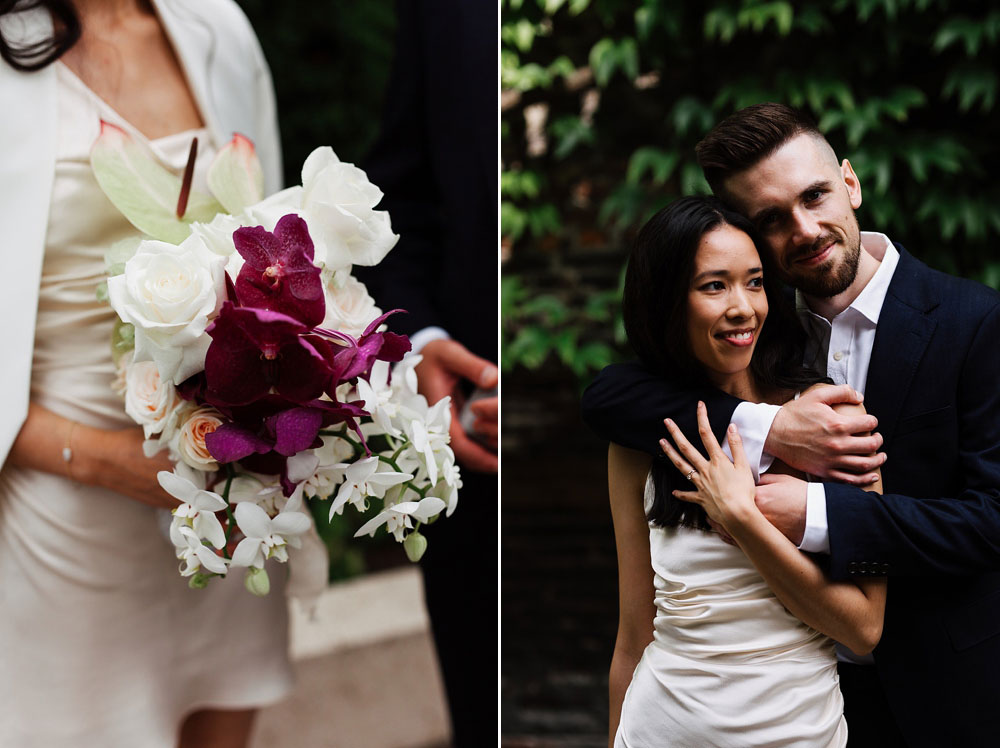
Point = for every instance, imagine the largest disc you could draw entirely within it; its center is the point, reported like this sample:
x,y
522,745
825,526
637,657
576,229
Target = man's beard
x,y
828,280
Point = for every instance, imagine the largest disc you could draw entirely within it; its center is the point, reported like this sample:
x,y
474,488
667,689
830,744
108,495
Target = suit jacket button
x,y
863,567
885,568
852,567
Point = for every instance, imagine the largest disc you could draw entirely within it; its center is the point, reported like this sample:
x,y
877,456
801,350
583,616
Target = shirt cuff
x,y
753,420
422,337
816,538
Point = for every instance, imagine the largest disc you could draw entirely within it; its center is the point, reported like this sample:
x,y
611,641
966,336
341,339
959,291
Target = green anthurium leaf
x,y
142,189
119,253
235,177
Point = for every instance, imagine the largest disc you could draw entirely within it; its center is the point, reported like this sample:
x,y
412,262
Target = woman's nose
x,y
739,305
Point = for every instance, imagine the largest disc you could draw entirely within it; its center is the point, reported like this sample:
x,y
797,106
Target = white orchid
x,y
379,398
399,517
267,537
428,433
322,469
196,513
363,479
194,553
263,490
451,481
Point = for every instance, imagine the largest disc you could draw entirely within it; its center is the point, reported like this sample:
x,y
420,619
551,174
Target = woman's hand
x,y
99,457
725,489
115,461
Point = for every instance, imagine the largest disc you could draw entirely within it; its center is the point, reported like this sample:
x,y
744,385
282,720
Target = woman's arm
x,y
626,485
110,459
849,613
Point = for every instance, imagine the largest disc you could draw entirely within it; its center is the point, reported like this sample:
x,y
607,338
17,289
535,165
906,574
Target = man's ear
x,y
853,185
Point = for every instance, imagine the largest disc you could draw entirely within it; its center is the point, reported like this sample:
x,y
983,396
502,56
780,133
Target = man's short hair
x,y
747,137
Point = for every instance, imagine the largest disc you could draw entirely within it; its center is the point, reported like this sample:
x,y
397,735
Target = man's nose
x,y
805,227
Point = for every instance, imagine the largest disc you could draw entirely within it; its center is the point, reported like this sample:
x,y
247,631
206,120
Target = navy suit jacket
x,y
933,385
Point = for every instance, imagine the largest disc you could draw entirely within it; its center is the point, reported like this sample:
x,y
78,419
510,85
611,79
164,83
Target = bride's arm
x,y
100,457
852,614
627,471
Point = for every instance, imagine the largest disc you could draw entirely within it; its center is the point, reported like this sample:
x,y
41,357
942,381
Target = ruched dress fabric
x,y
102,643
728,666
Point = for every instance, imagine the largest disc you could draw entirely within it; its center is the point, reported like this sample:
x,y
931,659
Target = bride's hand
x,y
115,460
725,489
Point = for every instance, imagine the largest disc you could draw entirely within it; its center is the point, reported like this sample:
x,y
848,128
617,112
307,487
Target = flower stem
x,y
342,435
230,474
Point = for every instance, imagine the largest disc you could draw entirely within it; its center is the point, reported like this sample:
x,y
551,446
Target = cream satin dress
x,y
728,666
102,643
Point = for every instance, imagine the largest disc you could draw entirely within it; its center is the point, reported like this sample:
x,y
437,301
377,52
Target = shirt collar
x,y
869,301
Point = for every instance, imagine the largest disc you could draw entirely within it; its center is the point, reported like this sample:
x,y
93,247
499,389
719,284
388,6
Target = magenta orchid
x,y
279,273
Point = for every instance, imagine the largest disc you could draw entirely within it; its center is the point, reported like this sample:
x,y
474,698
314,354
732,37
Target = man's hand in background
x,y
445,364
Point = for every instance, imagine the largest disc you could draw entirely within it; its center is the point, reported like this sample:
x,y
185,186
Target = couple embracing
x,y
874,524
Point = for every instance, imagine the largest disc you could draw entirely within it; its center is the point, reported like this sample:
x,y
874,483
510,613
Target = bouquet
x,y
249,352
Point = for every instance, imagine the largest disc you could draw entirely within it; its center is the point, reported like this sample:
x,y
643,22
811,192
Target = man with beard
x,y
919,347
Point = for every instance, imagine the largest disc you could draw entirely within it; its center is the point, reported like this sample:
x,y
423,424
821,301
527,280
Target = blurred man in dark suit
x,y
436,161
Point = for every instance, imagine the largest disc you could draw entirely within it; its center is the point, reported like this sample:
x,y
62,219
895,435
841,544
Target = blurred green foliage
x,y
603,102
330,63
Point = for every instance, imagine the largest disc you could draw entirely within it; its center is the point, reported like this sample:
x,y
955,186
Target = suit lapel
x,y
904,331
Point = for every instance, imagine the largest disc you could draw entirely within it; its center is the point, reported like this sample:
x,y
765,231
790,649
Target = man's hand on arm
x,y
782,500
445,364
809,435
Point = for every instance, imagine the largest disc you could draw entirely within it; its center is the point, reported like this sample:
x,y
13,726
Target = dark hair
x,y
654,307
747,137
37,54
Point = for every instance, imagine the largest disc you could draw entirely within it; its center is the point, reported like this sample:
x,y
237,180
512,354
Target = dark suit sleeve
x,y
626,404
957,535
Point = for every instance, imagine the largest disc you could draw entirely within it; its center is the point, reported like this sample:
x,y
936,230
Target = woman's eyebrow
x,y
724,273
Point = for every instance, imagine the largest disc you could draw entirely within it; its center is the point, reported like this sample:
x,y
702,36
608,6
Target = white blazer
x,y
231,83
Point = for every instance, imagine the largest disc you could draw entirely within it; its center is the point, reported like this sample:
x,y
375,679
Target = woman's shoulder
x,y
230,28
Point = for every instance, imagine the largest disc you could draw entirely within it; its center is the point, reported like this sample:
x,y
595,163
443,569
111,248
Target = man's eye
x,y
813,195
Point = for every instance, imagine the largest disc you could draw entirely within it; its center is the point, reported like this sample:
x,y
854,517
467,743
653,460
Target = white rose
x,y
169,293
148,400
195,425
119,384
271,209
337,205
218,235
349,308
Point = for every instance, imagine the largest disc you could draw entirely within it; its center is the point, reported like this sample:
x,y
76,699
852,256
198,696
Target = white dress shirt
x,y
842,350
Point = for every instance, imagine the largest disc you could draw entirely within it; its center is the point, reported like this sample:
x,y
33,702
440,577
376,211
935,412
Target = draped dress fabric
x,y
102,643
728,666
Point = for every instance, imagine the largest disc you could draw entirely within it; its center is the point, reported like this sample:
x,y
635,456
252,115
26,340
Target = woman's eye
x,y
757,282
713,286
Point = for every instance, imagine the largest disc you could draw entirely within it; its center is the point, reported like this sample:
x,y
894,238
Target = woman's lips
x,y
738,338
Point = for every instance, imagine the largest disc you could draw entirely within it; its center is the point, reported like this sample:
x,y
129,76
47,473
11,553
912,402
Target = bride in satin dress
x,y
719,644
103,643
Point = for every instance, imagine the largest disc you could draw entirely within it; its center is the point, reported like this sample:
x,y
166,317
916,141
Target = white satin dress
x,y
102,643
728,666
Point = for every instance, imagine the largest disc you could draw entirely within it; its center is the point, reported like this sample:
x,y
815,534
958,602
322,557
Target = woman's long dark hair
x,y
36,55
654,306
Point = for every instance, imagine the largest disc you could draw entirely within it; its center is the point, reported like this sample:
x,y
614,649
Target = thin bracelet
x,y
67,450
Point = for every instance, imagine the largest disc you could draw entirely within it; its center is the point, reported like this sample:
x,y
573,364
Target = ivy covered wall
x,y
604,100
